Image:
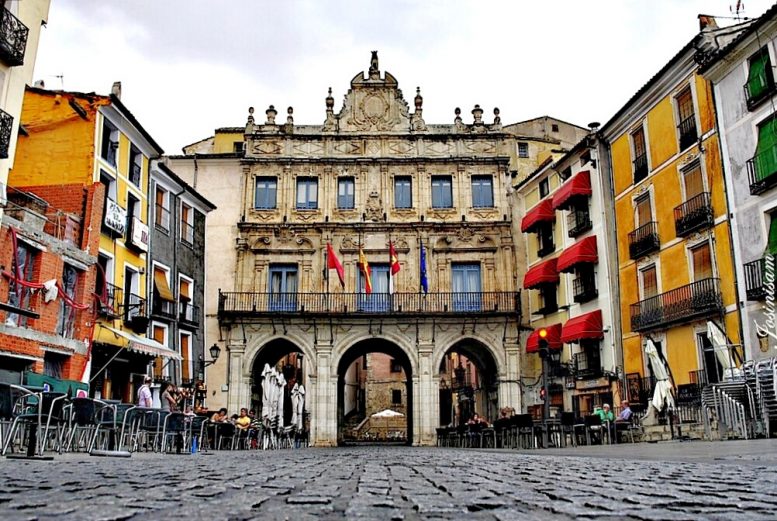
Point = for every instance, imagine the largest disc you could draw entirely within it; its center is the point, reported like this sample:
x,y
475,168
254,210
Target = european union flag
x,y
424,279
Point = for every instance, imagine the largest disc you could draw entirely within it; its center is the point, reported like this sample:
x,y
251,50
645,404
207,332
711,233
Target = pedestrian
x,y
168,397
144,393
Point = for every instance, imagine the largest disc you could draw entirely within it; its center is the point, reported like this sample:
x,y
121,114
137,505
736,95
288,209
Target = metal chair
x,y
12,402
568,428
593,424
83,423
174,425
47,411
527,438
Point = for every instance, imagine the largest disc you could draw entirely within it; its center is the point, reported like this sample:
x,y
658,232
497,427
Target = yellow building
x,y
73,140
674,257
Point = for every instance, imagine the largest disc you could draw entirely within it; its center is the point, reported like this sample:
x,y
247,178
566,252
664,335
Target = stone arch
x,y
258,344
352,340
442,348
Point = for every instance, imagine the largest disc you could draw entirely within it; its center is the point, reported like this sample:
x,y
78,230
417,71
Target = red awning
x,y
553,338
543,212
542,273
580,184
584,326
582,251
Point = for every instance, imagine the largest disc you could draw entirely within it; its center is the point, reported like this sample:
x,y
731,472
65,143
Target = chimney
x,y
116,89
40,84
707,22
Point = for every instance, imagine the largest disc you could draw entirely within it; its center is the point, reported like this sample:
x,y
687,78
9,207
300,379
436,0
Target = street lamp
x,y
215,351
544,354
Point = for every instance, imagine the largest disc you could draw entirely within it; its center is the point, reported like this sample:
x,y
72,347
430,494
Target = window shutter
x,y
771,246
756,78
766,158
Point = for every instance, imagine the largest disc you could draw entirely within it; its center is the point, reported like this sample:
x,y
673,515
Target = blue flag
x,y
424,279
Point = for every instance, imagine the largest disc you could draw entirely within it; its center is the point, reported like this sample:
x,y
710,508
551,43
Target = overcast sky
x,y
190,66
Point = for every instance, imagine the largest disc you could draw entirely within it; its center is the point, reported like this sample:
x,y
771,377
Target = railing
x,y
249,303
13,38
640,168
6,128
134,306
754,279
162,307
546,249
187,232
694,214
578,221
584,289
644,240
698,299
698,377
767,88
688,134
188,314
587,366
762,170
109,307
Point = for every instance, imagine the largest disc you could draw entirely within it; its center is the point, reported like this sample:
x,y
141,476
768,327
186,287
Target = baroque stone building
x,y
371,176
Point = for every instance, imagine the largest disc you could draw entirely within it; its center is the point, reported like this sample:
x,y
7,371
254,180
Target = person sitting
x,y
626,413
220,417
243,422
605,414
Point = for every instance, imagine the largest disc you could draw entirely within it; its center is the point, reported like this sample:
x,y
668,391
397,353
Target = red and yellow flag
x,y
394,266
364,266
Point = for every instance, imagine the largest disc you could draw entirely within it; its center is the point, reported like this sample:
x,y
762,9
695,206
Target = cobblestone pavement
x,y
724,480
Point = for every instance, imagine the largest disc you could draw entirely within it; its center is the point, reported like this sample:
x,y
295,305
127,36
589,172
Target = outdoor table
x,y
549,427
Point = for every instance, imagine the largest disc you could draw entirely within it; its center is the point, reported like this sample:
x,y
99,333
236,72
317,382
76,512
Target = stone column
x,y
325,403
426,413
509,389
239,385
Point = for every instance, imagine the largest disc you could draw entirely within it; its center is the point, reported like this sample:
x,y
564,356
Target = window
x,y
566,173
135,166
187,224
19,296
114,216
686,115
307,193
238,147
53,364
649,282
482,191
523,150
544,188
379,299
403,192
466,286
584,285
643,210
548,299
554,127
67,314
588,360
159,333
162,209
396,367
345,199
185,346
760,80
185,308
265,196
640,155
110,143
134,306
766,151
545,239
585,158
396,397
693,181
133,211
442,192
702,261
771,245
283,287
578,218
163,301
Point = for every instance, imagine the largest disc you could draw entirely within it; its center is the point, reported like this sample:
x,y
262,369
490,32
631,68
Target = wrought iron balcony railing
x,y
188,314
584,289
109,303
134,307
13,38
578,221
255,304
692,301
762,170
755,273
761,90
640,168
688,134
587,366
694,214
162,308
644,240
6,128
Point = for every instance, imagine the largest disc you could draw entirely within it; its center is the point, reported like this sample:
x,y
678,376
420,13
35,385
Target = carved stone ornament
x,y
284,233
465,234
374,210
349,244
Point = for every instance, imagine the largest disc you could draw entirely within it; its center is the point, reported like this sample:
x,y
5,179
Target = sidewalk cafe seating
x,y
110,420
42,412
174,428
13,401
568,428
592,428
83,423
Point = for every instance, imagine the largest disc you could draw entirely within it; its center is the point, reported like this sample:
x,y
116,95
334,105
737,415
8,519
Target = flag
x,y
332,262
364,266
424,279
394,266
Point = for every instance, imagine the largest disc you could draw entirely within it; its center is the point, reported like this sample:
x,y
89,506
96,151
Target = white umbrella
x,y
281,382
266,391
300,409
663,392
272,395
388,414
721,348
294,403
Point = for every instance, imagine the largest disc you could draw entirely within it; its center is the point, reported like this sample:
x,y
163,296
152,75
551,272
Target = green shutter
x,y
771,246
766,151
756,79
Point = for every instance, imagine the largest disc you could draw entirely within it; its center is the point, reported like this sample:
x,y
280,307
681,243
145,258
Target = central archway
x,y
287,359
398,361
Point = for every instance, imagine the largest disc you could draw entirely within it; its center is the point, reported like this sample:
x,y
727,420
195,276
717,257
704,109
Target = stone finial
x,y
271,113
419,100
457,111
330,101
250,116
497,118
374,72
290,117
477,114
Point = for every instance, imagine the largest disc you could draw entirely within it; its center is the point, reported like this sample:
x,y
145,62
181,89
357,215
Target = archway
x,y
374,375
287,359
469,383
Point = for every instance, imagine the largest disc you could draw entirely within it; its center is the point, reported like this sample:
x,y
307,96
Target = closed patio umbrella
x,y
300,410
721,347
281,383
294,402
266,390
662,396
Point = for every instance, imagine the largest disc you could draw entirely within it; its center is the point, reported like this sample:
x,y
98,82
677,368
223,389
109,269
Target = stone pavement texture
x,y
720,481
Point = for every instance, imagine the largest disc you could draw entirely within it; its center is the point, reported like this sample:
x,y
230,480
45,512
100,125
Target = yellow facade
x,y
657,114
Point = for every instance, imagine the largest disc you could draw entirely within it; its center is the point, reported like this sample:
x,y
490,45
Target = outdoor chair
x,y
501,431
151,427
568,428
593,426
83,423
46,412
12,403
526,431
461,435
441,435
194,428
475,435
173,429
110,424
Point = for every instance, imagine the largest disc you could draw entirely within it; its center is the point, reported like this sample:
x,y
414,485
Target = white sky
x,y
190,66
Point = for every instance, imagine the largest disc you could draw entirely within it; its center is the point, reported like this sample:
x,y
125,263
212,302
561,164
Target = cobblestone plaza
x,y
726,481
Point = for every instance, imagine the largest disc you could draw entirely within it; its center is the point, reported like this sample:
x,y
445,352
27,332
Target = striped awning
x,y
146,346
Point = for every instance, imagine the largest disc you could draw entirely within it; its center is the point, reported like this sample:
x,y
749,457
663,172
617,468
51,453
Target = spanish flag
x,y
394,266
364,266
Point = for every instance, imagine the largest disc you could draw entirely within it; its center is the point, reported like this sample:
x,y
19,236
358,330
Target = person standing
x,y
168,397
144,393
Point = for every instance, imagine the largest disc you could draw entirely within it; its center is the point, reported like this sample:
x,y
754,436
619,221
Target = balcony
x,y
110,303
640,168
6,128
688,134
762,170
162,308
578,221
134,312
754,278
249,304
188,314
584,289
13,39
693,301
644,240
587,366
763,91
693,215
